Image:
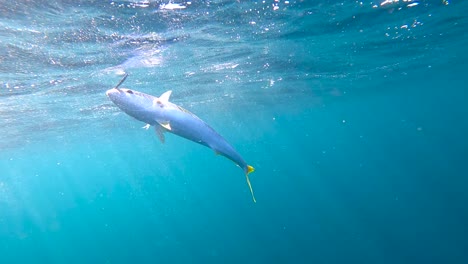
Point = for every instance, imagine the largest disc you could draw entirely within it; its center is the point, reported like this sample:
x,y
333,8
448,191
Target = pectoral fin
x,y
166,125
160,133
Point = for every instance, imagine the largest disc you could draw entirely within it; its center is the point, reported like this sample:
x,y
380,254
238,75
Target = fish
x,y
168,117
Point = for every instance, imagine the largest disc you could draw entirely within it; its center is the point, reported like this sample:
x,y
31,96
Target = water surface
x,y
353,114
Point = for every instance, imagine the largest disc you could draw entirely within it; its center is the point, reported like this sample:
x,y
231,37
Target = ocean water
x,y
354,115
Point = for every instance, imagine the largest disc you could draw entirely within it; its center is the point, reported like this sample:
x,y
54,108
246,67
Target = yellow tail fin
x,y
249,170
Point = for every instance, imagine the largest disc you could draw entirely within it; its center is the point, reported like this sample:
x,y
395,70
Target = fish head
x,y
125,98
132,102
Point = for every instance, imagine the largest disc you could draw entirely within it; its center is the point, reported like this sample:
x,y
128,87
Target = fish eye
x,y
130,91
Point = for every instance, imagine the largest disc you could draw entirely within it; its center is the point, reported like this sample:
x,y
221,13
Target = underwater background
x,y
354,115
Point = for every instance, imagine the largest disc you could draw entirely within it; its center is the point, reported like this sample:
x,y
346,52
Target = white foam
x,y
171,6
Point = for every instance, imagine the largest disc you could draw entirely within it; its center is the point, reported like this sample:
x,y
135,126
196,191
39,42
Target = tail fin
x,y
249,170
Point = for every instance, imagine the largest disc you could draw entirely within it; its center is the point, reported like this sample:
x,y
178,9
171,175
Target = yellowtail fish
x,y
168,117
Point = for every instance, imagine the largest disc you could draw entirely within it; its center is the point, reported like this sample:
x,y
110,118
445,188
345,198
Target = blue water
x,y
354,115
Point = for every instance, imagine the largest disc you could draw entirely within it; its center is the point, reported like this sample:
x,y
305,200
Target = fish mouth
x,y
116,89
112,91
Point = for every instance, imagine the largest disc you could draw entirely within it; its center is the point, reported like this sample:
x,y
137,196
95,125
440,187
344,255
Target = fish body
x,y
168,117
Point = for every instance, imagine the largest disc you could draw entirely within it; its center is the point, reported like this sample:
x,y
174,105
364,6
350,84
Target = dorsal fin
x,y
165,96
